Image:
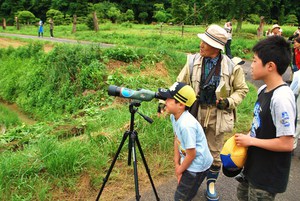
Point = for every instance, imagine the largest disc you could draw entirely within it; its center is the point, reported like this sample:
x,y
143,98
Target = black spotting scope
x,y
140,94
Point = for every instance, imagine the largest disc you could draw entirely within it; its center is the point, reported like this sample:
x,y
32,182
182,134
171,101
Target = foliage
x,y
113,13
177,11
143,16
26,17
8,118
253,19
56,15
291,20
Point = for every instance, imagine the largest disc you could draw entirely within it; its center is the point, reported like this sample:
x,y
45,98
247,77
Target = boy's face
x,y
171,106
258,69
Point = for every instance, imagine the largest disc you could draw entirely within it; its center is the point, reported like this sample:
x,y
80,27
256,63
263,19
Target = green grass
x,y
171,38
8,118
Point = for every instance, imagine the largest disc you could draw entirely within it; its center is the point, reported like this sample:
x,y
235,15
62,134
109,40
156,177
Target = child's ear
x,y
182,105
271,66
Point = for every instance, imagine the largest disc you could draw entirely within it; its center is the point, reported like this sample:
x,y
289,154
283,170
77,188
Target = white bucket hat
x,y
215,36
275,26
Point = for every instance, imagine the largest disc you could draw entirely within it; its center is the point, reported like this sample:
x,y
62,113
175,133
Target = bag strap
x,y
214,70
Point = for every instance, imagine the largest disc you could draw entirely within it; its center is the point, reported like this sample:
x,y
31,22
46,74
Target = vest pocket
x,y
227,121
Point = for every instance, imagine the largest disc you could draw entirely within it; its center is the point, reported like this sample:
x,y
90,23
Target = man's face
x,y
276,31
208,51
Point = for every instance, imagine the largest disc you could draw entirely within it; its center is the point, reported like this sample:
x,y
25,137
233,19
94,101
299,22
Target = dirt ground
x,y
7,42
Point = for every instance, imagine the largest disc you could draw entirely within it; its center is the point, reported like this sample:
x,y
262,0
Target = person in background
x,y
220,85
41,29
51,24
275,30
296,55
271,137
296,33
192,157
228,28
295,85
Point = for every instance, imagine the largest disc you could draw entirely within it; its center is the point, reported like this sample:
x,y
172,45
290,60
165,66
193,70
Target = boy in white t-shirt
x,y
192,157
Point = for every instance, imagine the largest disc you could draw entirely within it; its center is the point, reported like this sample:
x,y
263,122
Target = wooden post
x,y
260,29
95,20
17,23
195,16
182,28
4,23
74,23
161,28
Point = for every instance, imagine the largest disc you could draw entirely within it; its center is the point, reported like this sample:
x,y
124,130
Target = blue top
x,y
191,135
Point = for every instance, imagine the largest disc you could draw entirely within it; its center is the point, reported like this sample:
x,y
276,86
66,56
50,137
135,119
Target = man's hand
x,y
160,109
222,104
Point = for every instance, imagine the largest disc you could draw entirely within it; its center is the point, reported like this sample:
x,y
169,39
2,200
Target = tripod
x,y
133,140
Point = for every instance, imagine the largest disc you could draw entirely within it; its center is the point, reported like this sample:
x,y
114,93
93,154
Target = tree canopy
x,y
147,11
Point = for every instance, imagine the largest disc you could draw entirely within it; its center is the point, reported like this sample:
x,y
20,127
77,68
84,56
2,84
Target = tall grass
x,y
8,118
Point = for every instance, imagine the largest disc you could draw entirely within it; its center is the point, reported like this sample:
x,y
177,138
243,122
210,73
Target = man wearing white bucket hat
x,y
219,83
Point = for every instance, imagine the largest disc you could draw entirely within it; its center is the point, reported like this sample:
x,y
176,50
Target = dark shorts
x,y
189,185
247,192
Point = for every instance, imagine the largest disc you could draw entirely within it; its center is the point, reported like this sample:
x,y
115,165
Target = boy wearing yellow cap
x,y
192,157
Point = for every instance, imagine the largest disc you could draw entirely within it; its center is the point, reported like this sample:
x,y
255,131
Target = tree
x,y
129,15
180,10
26,17
160,16
291,20
113,13
56,15
143,16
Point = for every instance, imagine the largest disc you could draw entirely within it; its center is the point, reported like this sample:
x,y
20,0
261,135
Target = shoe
x,y
211,193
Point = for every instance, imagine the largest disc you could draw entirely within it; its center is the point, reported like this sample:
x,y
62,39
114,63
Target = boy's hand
x,y
178,175
243,140
160,109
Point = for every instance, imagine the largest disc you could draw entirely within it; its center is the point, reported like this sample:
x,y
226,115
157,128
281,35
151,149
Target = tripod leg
x,y
129,151
113,163
136,180
146,167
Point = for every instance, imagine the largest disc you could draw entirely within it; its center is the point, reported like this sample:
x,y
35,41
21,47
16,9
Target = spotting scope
x,y
140,94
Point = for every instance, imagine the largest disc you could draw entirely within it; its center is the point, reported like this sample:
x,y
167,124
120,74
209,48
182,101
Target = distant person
x,y
228,28
51,24
295,34
296,55
271,137
268,32
275,31
192,157
295,86
41,29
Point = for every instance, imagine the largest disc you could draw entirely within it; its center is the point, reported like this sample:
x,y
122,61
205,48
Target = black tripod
x,y
133,108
